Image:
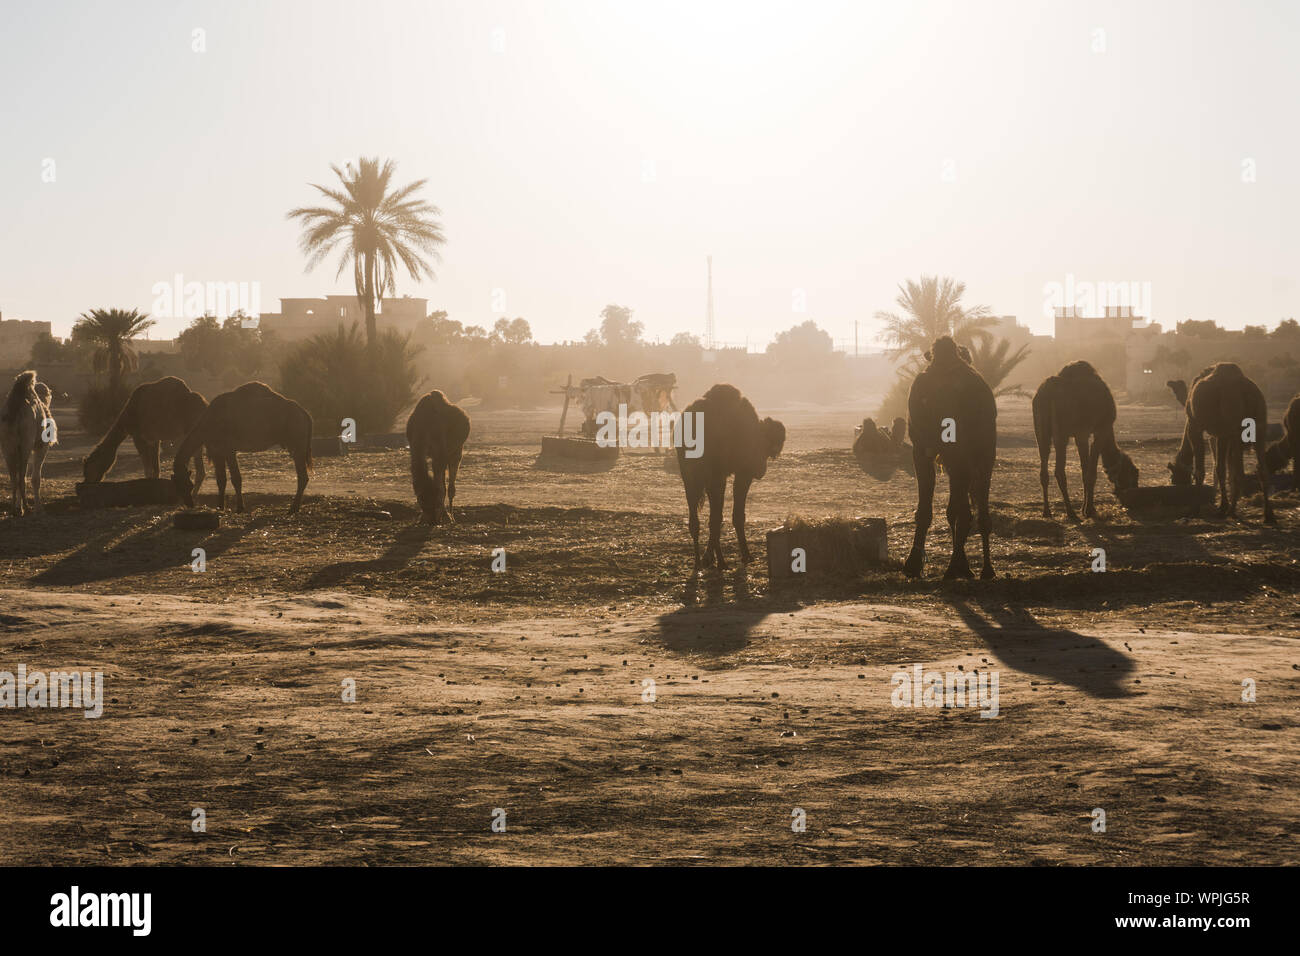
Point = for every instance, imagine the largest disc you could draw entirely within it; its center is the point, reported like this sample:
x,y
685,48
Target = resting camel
x,y
733,441
1287,448
1077,404
951,411
165,410
253,417
1219,402
436,431
22,433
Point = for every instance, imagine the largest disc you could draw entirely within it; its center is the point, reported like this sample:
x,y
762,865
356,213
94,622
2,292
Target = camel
x,y
165,410
1077,404
22,437
436,431
951,410
1219,402
734,442
1287,448
253,417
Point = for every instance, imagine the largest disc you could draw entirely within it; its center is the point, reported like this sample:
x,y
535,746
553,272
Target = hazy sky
x,y
593,152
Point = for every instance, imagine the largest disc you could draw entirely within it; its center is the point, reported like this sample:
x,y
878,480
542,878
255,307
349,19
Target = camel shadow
x,y
153,548
1057,654
404,547
715,625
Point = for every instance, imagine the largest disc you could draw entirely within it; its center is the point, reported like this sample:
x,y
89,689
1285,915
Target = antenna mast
x,y
708,322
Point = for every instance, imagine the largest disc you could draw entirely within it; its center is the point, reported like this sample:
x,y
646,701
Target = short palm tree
x,y
111,331
379,229
932,308
996,362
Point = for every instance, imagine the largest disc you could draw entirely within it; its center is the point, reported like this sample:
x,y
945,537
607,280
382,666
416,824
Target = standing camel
x,y
253,417
952,412
165,410
733,441
436,431
1287,448
22,437
1223,402
1077,404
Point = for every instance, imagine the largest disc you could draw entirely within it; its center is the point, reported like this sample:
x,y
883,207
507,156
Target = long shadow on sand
x,y
155,547
710,623
398,555
1055,653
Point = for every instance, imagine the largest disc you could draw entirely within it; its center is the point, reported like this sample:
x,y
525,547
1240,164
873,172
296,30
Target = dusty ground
x,y
523,690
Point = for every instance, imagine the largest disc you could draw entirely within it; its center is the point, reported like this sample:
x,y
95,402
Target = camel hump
x,y
1228,371
1079,369
24,387
722,393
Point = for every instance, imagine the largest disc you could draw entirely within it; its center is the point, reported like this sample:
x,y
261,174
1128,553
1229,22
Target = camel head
x,y
1179,473
1276,456
773,437
97,464
1121,471
899,432
184,483
946,351
1179,388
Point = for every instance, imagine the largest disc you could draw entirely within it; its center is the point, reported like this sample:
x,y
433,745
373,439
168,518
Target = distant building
x,y
302,318
1115,325
17,336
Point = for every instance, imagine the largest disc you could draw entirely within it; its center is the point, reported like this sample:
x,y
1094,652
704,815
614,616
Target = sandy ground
x,y
524,690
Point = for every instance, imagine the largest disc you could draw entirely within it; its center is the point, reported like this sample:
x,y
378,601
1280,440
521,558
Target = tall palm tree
x,y
379,229
111,330
994,365
932,308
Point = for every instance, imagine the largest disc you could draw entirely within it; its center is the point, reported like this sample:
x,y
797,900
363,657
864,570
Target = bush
x,y
336,376
99,408
894,404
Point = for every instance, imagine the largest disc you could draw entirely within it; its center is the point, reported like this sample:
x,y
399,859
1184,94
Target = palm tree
x,y
379,230
112,330
932,308
994,365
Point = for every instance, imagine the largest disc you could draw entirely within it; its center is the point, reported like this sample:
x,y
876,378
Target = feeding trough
x,y
1155,499
384,440
124,494
582,449
830,547
196,519
330,447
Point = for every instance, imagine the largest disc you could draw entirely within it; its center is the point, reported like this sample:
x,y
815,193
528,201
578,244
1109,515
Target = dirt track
x,y
523,690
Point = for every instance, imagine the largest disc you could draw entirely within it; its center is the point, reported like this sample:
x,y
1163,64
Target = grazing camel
x,y
733,441
1222,401
1077,404
165,410
436,431
253,417
951,411
22,437
1287,448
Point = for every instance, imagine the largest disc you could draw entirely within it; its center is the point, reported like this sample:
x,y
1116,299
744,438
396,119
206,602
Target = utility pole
x,y
708,321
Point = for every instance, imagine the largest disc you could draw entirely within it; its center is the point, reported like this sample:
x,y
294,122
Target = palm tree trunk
x,y
372,331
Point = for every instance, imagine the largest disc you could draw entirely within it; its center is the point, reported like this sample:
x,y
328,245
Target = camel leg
x,y
739,491
219,468
439,492
1198,455
1062,450
1261,469
300,466
38,462
982,483
1220,475
452,468
15,488
1043,454
1088,455
237,480
959,516
924,467
23,455
694,492
717,490
199,473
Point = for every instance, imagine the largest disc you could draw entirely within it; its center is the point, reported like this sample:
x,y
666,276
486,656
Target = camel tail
x,y
421,480
311,462
24,387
